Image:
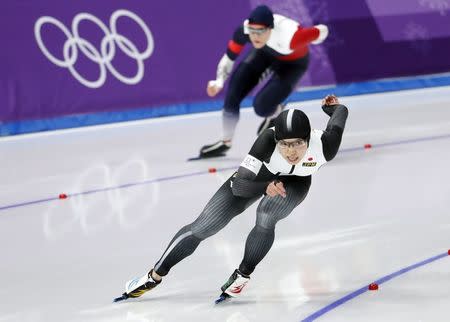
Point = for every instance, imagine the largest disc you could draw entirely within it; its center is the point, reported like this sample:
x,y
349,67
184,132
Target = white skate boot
x,y
234,286
138,286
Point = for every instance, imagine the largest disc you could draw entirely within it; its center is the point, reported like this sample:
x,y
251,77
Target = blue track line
x,y
364,289
127,185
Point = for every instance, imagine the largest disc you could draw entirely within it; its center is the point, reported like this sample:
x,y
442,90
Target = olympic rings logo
x,y
93,213
107,51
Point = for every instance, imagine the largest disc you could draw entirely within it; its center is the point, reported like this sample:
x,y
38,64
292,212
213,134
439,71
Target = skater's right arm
x,y
245,182
237,43
234,48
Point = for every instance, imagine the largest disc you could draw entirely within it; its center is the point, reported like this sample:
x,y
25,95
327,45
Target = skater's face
x,y
259,35
292,150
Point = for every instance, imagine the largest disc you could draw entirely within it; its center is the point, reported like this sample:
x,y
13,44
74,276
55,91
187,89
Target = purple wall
x,y
368,40
373,39
188,42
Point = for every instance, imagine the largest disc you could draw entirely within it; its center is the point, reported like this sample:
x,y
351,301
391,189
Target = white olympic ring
x,y
129,208
107,51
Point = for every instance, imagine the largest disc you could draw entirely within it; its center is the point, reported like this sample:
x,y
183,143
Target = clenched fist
x,y
330,100
213,88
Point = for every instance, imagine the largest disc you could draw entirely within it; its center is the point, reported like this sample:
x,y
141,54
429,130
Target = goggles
x,y
294,144
255,31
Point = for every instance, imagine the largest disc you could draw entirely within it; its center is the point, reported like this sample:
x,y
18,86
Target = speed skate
x,y
233,287
138,286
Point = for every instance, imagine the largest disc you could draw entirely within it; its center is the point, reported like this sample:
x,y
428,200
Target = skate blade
x,y
206,157
123,297
222,298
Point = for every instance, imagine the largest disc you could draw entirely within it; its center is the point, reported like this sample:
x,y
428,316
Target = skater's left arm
x,y
304,36
332,136
245,183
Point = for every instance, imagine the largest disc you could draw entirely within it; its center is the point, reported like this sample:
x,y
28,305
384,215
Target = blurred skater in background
x,y
280,51
278,168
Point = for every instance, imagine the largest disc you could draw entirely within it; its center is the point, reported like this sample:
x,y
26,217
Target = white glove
x,y
323,34
216,83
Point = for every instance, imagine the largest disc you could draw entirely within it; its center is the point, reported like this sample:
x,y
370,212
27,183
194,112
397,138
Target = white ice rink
x,y
370,215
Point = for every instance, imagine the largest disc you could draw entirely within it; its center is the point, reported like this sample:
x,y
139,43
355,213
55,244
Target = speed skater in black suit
x,y
277,172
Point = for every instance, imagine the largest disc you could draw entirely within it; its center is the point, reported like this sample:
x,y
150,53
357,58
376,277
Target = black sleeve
x,y
240,39
331,138
264,145
245,182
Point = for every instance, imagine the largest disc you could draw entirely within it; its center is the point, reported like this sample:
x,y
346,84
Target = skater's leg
x,y
269,212
242,81
270,96
218,212
268,103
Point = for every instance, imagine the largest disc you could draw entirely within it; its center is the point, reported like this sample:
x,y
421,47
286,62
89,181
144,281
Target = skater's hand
x,y
330,100
276,188
213,88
